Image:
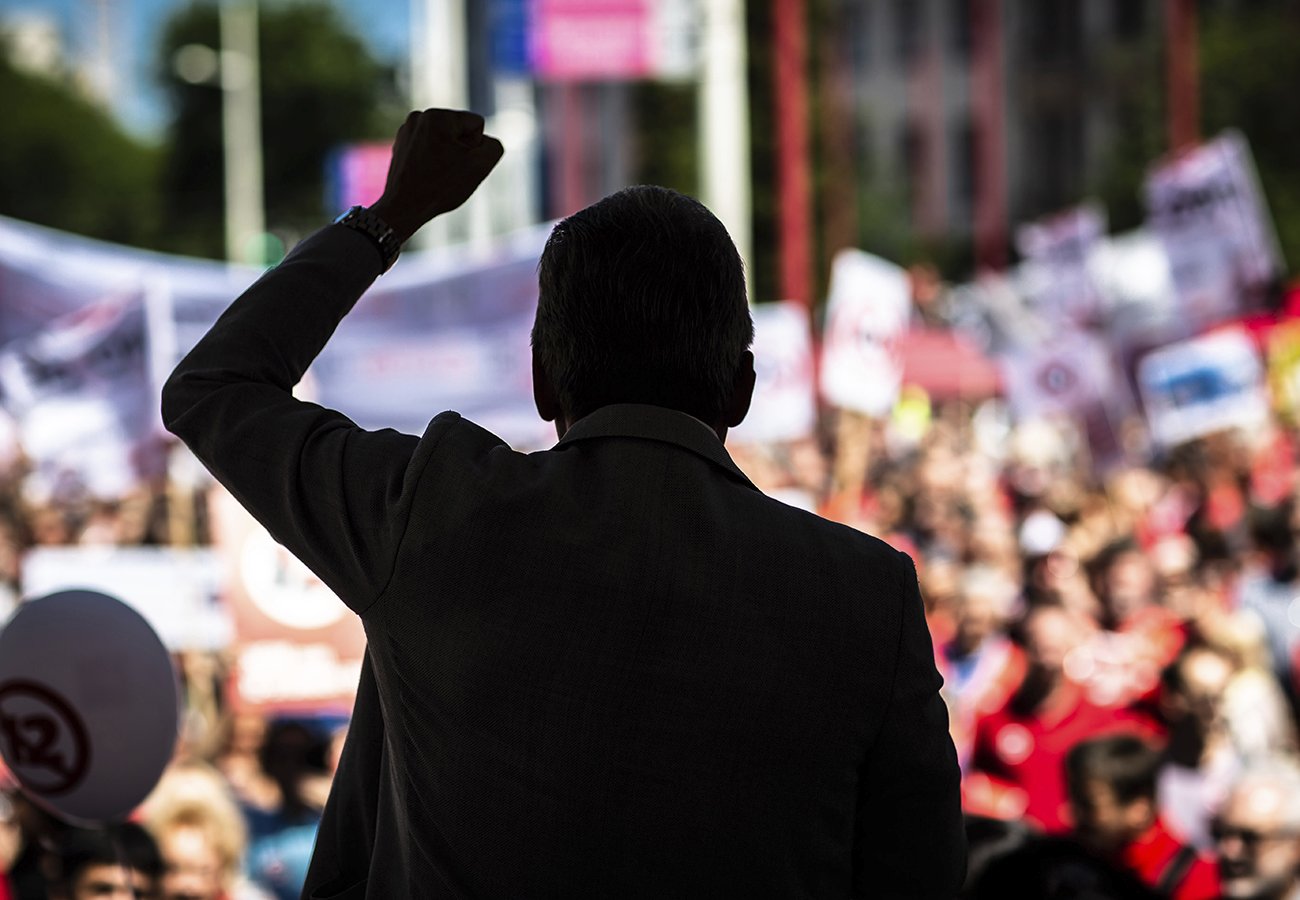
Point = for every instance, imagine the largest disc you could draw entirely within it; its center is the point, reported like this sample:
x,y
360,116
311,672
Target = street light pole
x,y
724,121
242,131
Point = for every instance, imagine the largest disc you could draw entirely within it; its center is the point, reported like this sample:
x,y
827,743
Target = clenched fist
x,y
439,158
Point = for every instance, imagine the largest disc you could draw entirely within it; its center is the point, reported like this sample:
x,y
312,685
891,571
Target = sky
x,y
135,25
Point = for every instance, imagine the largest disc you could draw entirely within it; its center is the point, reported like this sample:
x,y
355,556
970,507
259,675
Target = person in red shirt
x,y
1112,788
1019,750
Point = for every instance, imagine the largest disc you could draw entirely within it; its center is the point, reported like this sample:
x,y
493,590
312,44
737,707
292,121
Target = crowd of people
x,y
1119,647
1120,650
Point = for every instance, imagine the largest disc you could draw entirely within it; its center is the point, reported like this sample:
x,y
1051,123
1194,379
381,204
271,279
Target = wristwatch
x,y
361,219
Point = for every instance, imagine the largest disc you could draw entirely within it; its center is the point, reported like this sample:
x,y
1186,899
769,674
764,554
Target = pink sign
x,y
592,38
362,173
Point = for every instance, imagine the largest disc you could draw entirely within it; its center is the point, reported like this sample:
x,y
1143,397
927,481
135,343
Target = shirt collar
x,y
654,423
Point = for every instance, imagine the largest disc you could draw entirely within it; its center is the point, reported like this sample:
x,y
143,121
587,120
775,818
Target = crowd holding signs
x,y
1089,327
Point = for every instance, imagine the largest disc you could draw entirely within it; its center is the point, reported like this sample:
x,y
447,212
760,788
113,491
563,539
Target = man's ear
x,y
548,406
742,392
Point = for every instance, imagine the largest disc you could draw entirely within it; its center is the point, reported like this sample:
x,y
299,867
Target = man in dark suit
x,y
610,669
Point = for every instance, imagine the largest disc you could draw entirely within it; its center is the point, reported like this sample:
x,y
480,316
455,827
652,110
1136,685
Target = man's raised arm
x,y
323,487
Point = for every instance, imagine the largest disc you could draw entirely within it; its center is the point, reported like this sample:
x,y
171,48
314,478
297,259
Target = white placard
x,y
1208,208
1207,384
870,300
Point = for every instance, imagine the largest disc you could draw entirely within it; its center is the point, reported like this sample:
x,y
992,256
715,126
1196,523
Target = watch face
x,y
343,216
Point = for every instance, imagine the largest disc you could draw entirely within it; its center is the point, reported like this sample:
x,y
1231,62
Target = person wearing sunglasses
x,y
1257,833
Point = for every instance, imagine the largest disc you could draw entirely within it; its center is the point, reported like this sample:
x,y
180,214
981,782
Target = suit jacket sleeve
x,y
910,840
327,490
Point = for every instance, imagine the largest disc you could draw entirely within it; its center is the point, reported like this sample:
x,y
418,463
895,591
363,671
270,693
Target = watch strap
x,y
381,234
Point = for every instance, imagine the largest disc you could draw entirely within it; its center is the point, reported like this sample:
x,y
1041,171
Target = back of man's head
x,y
642,301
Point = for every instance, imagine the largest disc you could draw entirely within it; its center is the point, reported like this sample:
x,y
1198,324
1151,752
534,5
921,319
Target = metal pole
x,y
440,78
990,134
724,121
1184,84
242,131
794,164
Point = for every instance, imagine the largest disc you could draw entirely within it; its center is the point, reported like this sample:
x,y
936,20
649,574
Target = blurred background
x,y
1020,276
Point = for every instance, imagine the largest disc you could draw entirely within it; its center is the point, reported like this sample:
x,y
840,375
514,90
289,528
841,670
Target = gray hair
x,y
1278,773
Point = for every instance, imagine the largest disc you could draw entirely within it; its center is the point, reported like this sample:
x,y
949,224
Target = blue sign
x,y
510,37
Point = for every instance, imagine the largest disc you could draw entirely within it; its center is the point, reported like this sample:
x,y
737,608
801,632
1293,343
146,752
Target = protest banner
x,y
1206,384
442,332
1209,211
1057,274
867,312
784,407
446,329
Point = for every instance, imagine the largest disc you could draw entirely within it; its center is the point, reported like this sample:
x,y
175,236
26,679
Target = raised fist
x,y
440,157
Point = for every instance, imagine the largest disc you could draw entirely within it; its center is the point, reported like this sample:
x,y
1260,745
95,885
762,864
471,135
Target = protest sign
x,y
868,309
1208,208
1057,272
1207,384
1059,377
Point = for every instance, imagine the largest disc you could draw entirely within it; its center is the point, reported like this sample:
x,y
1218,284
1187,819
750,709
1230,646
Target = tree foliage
x,y
320,88
66,164
1249,71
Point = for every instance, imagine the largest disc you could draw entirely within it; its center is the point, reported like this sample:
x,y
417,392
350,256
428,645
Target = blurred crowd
x,y
1120,649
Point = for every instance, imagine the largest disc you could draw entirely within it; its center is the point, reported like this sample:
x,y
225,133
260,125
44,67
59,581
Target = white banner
x,y
1056,273
870,301
1209,210
1207,384
443,332
785,404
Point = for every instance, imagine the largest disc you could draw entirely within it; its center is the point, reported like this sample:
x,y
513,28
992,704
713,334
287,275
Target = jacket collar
x,y
654,423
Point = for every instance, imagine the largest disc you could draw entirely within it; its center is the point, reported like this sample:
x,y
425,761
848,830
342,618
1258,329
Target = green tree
x,y
66,164
1250,66
320,88
1248,69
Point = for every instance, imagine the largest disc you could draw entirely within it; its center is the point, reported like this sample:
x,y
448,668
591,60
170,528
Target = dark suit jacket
x,y
609,669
